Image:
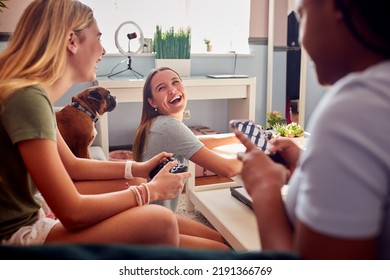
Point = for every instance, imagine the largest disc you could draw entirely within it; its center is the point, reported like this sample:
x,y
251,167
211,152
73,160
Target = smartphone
x,y
253,131
258,136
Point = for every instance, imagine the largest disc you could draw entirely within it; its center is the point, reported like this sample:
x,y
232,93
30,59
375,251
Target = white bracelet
x,y
128,174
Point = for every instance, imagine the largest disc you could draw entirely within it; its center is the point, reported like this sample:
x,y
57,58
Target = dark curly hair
x,y
375,15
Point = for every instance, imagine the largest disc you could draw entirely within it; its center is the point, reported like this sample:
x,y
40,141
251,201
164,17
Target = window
x,y
224,22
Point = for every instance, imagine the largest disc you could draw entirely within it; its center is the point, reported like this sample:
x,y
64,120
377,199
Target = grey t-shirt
x,y
168,134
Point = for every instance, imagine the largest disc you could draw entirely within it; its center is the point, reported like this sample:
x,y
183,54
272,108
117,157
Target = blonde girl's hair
x,y
149,114
36,52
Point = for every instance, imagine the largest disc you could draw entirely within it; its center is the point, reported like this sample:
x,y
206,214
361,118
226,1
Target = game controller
x,y
276,157
178,168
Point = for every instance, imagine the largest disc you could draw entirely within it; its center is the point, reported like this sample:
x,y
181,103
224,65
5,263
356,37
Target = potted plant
x,y
209,47
173,48
274,118
4,36
2,5
279,127
292,131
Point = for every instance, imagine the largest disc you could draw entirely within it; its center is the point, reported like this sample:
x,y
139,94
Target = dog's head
x,y
97,99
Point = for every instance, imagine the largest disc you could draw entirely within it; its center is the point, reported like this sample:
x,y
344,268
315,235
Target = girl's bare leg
x,y
192,233
188,227
194,242
146,225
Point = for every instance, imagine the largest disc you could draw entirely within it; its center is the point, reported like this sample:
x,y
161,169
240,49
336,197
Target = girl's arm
x,y
50,176
210,160
226,167
263,180
75,210
81,169
212,141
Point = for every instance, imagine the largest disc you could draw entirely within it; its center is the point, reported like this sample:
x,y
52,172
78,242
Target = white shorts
x,y
32,235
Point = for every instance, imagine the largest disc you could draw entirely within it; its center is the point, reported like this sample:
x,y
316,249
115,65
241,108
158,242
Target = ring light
x,y
131,32
127,31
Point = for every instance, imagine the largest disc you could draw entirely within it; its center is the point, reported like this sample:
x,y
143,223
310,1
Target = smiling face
x,y
322,33
168,94
326,34
88,53
314,25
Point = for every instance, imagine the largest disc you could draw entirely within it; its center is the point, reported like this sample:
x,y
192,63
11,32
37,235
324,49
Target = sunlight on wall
x,y
224,22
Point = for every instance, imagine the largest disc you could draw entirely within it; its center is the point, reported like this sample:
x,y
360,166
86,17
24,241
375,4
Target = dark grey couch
x,y
126,252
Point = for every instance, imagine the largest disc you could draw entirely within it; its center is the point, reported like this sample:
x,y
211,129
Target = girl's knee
x,y
163,224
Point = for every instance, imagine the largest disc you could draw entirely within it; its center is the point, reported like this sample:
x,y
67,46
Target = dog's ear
x,y
94,96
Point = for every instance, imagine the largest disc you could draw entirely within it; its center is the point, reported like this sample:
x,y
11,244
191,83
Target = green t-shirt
x,y
27,114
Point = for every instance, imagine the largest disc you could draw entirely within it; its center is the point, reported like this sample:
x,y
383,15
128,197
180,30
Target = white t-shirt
x,y
342,184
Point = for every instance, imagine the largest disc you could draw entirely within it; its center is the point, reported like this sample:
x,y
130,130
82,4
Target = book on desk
x,y
242,195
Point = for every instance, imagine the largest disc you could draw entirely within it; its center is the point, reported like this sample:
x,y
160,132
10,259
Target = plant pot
x,y
181,66
299,141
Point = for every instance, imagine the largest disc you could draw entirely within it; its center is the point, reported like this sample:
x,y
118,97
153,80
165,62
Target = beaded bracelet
x,y
141,192
147,193
138,196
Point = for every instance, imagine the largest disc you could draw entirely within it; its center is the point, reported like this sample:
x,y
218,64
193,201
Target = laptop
x,y
242,195
227,76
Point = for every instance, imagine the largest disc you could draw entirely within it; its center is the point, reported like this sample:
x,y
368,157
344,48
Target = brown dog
x,y
76,121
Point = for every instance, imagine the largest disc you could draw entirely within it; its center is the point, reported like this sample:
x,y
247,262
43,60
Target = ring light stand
x,y
130,36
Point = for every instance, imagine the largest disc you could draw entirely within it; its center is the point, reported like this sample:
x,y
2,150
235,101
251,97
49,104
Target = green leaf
x,y
171,44
2,5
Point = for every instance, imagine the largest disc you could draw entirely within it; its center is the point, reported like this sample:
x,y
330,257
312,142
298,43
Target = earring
x,y
155,109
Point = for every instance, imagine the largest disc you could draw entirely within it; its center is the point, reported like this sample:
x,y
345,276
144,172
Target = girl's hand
x,y
287,149
143,169
166,185
258,169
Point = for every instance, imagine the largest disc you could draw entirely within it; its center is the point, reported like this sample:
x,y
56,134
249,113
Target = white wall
x,y
291,5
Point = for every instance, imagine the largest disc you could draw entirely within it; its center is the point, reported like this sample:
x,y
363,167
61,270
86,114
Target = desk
x,y
240,93
234,220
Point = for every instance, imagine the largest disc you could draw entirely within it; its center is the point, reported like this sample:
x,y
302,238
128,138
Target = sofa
x,y
121,252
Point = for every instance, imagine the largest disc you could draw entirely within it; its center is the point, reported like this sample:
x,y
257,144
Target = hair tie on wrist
x,y
128,174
